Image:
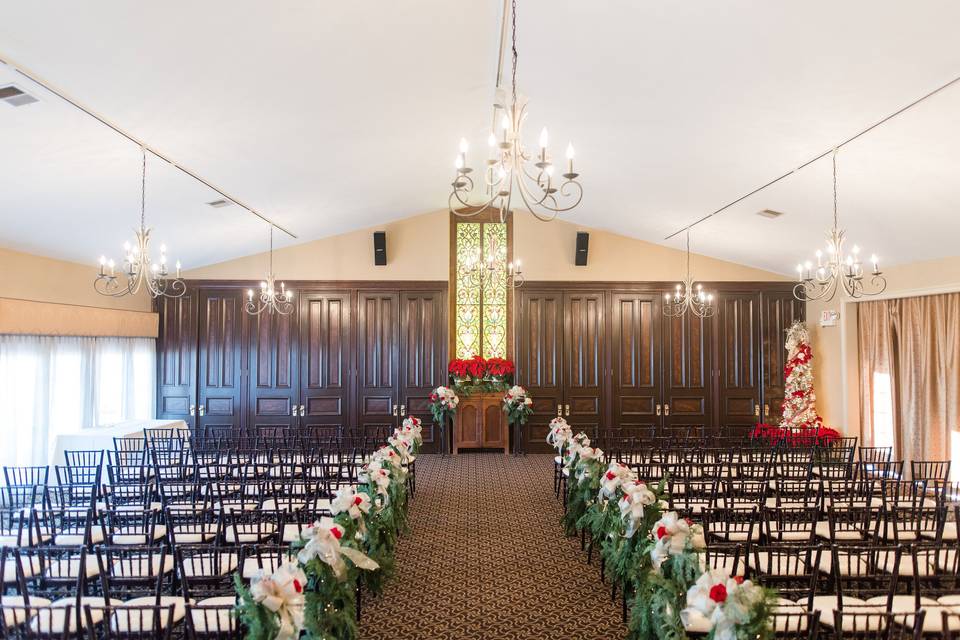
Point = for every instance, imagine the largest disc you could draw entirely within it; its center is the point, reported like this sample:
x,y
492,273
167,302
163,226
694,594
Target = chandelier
x,y
138,270
686,297
270,298
510,168
837,269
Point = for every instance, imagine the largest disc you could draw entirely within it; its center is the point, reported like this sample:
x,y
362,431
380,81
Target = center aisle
x,y
486,558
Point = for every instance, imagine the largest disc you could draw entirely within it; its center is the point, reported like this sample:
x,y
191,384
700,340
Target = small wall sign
x,y
829,318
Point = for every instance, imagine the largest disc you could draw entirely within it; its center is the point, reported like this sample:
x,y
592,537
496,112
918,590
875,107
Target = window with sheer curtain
x,y
51,385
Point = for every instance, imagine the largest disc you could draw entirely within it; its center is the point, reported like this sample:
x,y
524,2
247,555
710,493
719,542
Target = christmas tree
x,y
800,400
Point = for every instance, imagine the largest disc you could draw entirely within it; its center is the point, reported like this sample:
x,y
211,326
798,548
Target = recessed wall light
x,y
217,204
770,213
16,97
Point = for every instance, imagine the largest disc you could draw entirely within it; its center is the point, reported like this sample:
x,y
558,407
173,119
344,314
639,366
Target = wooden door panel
x,y
326,348
584,358
738,319
274,390
495,433
423,340
220,358
636,380
687,376
778,311
378,352
177,358
539,331
468,424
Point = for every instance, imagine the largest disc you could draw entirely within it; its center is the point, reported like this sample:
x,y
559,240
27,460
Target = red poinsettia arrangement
x,y
480,368
806,437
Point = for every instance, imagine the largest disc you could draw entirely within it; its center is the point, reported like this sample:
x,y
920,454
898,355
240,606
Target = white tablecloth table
x,y
102,437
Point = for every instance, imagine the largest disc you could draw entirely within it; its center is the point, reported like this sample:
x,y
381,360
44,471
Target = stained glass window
x,y
481,294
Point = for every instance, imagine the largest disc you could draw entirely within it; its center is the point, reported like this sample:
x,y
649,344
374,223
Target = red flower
x,y
688,521
738,579
661,532
458,368
718,593
500,366
611,475
357,501
336,532
433,397
297,586
476,366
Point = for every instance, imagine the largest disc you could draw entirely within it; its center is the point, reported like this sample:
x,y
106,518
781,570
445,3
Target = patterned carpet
x,y
486,558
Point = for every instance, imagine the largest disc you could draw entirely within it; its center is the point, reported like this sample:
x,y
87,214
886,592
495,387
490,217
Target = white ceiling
x,y
336,116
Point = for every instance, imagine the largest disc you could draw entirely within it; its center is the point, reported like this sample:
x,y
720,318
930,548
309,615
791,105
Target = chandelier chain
x,y
836,216
513,48
143,188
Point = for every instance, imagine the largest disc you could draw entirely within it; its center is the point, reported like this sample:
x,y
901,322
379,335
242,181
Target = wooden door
x,y
778,311
177,358
738,320
326,363
468,423
378,352
636,321
273,393
688,372
423,358
584,361
539,331
220,366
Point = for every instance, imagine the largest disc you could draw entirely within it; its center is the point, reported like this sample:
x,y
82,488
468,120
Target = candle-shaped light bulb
x,y
492,140
111,264
103,262
709,297
126,247
549,170
544,138
250,295
178,268
458,163
289,294
570,151
518,266
263,285
799,272
464,145
163,248
875,262
504,123
154,267
163,259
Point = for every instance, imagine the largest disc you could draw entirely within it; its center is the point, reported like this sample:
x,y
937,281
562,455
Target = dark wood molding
x,y
335,285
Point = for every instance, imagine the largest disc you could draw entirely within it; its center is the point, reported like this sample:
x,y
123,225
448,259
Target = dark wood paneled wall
x,y
604,354
353,356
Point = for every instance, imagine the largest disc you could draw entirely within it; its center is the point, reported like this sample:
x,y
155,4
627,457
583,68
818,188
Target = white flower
x,y
724,600
347,499
323,543
616,475
636,496
560,434
282,593
671,534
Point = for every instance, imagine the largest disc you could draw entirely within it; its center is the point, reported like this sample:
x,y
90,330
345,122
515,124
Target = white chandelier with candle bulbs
x,y
138,270
483,266
837,269
687,297
270,298
511,170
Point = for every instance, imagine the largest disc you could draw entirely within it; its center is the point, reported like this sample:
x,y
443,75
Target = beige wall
x,y
835,348
25,276
418,249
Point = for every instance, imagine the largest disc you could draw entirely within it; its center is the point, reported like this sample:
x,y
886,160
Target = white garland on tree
x,y
800,399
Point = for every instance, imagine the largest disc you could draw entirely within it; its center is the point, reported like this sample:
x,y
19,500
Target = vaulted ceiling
x,y
330,117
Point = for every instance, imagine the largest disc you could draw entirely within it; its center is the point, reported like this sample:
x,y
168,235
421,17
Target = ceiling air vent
x,y
15,97
217,204
770,213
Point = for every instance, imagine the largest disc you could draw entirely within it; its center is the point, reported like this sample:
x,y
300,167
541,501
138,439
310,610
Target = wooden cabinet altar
x,y
481,423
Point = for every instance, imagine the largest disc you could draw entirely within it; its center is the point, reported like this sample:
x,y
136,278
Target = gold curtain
x,y
917,340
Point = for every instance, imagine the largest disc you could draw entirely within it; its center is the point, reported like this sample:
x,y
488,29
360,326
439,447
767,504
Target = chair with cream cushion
x,y
790,624
63,577
46,621
130,572
213,619
134,527
206,571
858,577
790,524
793,570
262,557
141,619
194,524
738,524
866,624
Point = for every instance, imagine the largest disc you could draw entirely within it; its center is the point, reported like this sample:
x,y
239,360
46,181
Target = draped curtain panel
x,y
917,341
53,385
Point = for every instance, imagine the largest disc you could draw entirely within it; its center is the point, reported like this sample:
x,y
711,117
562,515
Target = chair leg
x,y
624,609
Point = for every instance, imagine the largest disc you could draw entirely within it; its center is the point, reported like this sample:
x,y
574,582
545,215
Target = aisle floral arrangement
x,y
443,404
654,551
518,405
314,591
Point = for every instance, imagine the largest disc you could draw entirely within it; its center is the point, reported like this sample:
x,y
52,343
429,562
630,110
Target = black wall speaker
x,y
380,248
583,241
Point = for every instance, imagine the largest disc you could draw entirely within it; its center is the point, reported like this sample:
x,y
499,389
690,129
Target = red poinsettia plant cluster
x,y
478,369
805,437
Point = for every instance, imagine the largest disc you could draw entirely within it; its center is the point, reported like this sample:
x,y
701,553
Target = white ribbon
x,y
282,593
324,543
